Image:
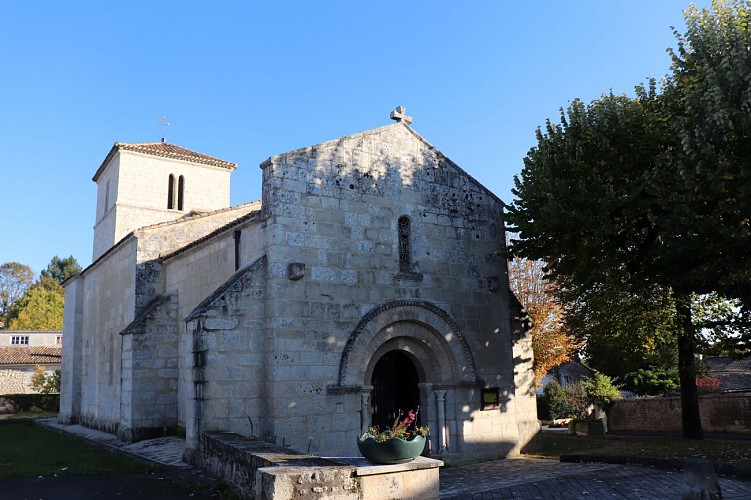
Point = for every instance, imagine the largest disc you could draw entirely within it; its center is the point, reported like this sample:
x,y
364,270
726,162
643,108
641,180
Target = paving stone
x,y
522,478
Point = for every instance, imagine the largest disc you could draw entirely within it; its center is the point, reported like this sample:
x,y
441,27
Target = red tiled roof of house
x,y
165,150
30,355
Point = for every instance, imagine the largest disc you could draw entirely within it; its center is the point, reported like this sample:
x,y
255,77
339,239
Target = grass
x,y
30,450
554,445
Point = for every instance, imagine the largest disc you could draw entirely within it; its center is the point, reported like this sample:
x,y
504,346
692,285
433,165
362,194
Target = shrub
x,y
566,402
651,381
45,402
600,390
43,383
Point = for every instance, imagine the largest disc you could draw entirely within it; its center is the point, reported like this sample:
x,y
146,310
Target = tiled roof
x,y
718,364
30,355
26,332
165,150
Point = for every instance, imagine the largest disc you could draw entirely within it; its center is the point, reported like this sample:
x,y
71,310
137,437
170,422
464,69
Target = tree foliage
x,y
600,390
651,381
45,383
41,307
631,199
61,269
624,331
551,341
15,279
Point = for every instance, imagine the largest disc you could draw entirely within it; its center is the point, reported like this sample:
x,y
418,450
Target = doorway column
x,y
440,397
427,414
365,420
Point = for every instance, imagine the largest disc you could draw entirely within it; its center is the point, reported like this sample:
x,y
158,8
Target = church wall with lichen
x,y
334,209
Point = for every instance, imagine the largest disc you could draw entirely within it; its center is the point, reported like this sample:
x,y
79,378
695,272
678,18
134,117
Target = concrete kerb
x,y
165,461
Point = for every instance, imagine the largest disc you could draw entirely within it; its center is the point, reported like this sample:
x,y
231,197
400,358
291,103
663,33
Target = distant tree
x,y
15,279
41,307
61,269
552,343
45,383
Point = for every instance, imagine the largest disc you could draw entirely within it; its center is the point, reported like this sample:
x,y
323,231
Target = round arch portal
x,y
423,330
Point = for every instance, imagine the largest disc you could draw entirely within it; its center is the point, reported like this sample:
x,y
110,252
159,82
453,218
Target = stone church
x,y
370,278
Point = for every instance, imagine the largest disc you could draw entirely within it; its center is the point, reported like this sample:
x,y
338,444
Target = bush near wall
x,y
45,402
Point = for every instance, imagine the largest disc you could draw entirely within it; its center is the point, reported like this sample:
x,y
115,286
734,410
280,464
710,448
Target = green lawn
x,y
555,445
30,450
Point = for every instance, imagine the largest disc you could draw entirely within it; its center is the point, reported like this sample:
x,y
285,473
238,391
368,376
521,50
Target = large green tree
x,y
61,269
41,307
651,194
15,279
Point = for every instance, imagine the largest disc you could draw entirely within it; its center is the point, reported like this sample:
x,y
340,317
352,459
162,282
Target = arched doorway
x,y
394,382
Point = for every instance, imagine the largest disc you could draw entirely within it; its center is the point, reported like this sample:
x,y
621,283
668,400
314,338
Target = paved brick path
x,y
530,478
515,478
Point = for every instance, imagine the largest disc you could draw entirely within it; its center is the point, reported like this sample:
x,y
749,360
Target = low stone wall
x,y
720,413
261,470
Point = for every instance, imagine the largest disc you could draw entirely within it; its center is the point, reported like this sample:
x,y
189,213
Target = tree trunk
x,y
690,420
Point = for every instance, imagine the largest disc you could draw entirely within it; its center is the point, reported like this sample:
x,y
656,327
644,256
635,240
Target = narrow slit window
x,y
180,192
171,192
405,244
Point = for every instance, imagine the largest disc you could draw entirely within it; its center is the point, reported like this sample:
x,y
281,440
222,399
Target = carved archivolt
x,y
409,323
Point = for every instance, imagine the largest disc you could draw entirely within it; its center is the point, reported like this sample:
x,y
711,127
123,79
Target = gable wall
x,y
334,208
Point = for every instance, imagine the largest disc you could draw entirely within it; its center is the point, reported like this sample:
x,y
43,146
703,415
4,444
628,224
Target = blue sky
x,y
246,80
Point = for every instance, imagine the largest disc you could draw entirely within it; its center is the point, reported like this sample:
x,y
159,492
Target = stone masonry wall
x,y
72,366
149,373
722,413
163,239
333,211
17,379
195,274
109,297
229,358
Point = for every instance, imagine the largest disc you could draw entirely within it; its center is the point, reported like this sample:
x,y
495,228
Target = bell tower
x,y
148,183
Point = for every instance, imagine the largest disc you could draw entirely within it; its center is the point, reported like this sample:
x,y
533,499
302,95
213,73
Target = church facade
x,y
369,279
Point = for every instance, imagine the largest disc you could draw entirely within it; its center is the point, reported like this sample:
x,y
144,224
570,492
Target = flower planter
x,y
391,451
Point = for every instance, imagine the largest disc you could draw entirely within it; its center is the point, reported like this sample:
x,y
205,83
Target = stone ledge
x,y
257,469
365,468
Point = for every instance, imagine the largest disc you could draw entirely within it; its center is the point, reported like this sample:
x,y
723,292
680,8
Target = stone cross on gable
x,y
400,115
